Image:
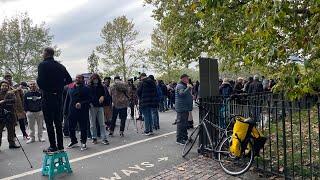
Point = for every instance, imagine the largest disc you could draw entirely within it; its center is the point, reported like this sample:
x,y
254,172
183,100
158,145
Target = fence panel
x,y
291,127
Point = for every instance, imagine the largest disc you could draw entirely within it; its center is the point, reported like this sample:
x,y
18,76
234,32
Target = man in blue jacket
x,y
77,107
183,105
52,77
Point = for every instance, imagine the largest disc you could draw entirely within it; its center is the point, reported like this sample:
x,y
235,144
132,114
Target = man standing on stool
x,y
52,77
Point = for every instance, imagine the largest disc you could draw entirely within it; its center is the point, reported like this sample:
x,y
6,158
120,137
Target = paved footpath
x,y
132,157
196,168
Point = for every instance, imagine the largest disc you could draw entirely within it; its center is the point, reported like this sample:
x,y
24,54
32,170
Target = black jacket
x,y
32,101
147,93
95,93
255,87
52,76
77,94
225,90
164,89
238,88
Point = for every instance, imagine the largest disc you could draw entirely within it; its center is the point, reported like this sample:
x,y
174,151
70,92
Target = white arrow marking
x,y
163,159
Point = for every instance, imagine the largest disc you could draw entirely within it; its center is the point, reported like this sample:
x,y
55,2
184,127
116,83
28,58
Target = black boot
x,y
13,146
50,150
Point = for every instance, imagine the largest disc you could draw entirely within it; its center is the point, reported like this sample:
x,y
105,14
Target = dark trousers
x,y
182,126
10,130
66,126
122,112
52,111
132,110
22,124
81,119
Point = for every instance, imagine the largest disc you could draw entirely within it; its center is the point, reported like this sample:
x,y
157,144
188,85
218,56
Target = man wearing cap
x,y
183,105
52,77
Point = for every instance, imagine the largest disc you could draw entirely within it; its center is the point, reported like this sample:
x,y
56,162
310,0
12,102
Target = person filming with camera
x,y
7,116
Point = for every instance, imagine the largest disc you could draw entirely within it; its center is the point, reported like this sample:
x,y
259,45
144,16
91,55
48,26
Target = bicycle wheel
x,y
190,141
231,164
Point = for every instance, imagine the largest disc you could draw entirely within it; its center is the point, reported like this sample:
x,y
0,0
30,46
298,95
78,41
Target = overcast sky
x,y
76,24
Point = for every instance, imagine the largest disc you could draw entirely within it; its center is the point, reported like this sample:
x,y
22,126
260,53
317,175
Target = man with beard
x,y
52,77
77,102
32,107
19,109
7,116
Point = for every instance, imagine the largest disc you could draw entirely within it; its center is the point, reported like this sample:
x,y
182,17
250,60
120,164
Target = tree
x,y
21,46
93,63
175,18
253,35
120,47
160,56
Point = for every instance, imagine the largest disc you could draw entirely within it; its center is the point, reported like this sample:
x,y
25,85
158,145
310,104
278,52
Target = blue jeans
x,y
97,113
147,115
155,118
161,105
165,102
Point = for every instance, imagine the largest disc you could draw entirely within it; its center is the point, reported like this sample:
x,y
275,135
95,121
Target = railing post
x,y
284,143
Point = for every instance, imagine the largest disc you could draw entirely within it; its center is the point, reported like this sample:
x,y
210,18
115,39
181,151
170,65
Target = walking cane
x,y
24,152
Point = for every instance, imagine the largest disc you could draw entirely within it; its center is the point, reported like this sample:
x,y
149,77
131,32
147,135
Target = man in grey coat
x,y
183,105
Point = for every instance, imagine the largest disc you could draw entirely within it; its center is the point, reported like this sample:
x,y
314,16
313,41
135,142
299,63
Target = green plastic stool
x,y
55,163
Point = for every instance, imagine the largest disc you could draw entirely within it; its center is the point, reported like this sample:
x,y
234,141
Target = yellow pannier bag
x,y
240,131
256,133
259,140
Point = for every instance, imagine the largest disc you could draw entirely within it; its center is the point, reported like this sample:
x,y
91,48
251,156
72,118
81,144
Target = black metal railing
x,y
291,127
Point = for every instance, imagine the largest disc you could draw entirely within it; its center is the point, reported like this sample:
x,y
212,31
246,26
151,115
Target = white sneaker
x,y
83,147
42,140
30,141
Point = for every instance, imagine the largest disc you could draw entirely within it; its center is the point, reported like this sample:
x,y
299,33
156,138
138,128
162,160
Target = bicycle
x,y
231,164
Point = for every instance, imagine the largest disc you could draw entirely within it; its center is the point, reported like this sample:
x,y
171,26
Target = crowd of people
x,y
252,85
91,107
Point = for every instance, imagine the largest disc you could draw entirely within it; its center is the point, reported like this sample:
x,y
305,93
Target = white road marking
x,y
93,155
163,159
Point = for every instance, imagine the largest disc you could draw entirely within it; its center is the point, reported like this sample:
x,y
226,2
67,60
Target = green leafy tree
x,y
119,51
160,55
178,20
93,63
258,36
21,46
